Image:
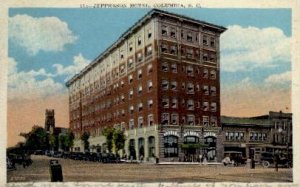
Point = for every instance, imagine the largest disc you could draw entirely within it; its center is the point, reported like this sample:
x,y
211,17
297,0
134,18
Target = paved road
x,y
76,171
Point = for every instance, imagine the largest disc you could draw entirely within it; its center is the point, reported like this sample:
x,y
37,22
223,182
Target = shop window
x,y
140,122
165,67
174,103
150,120
165,103
173,85
205,106
165,118
170,146
174,68
190,104
174,119
165,84
191,119
213,107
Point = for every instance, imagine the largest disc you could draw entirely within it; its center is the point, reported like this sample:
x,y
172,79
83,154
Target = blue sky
x,y
97,29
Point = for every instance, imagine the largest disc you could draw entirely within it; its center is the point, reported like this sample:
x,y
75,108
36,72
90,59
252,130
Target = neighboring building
x,y
254,135
50,125
160,82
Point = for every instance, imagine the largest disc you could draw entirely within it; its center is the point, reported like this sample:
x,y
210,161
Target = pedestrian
x,y
141,158
200,158
276,160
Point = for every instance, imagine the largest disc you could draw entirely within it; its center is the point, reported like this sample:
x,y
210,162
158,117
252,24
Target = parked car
x,y
110,158
57,154
234,158
268,159
77,156
47,153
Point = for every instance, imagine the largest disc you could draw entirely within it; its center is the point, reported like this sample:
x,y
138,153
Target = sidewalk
x,y
190,163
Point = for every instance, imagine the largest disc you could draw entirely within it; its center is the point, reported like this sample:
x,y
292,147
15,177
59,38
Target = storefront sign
x,y
206,134
171,133
191,133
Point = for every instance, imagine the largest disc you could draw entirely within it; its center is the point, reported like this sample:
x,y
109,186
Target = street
x,y
76,171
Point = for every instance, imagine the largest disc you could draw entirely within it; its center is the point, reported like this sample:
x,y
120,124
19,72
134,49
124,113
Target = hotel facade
x,y
160,83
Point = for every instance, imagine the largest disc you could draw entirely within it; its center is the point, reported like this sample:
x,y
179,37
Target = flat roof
x,y
135,26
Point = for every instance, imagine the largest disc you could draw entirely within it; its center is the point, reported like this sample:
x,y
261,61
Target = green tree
x,y
108,132
53,142
62,141
119,139
85,139
70,140
36,139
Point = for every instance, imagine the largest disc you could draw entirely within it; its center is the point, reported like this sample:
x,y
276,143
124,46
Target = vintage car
x,y
234,158
267,159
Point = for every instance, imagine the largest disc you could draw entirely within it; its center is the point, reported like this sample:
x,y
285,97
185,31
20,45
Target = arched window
x,y
171,146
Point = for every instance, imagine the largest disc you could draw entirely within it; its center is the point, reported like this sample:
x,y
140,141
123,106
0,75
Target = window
x,y
212,42
150,85
150,103
165,102
173,85
131,109
150,68
182,119
213,107
205,57
130,79
198,87
165,84
131,124
131,94
130,46
174,68
150,120
205,40
213,74
205,90
122,69
170,146
139,74
205,106
149,50
165,67
213,90
149,31
173,50
191,119
205,120
123,112
140,89
205,73
122,98
174,119
140,107
173,33
130,63
189,37
190,88
190,104
190,70
182,34
174,103
140,122
183,103
183,85
139,57
164,30
189,53
164,48
213,121
212,57
139,41
165,118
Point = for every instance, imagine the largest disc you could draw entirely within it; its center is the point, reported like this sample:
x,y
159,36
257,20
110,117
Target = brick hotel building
x,y
160,83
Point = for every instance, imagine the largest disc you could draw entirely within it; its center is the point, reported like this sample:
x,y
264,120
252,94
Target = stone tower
x,y
49,120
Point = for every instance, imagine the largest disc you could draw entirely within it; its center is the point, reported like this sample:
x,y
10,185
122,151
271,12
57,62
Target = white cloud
x,y
26,85
281,78
79,62
40,34
244,49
